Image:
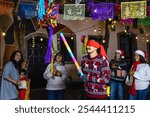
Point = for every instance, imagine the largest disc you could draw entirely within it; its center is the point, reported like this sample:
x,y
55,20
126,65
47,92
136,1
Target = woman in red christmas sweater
x,y
139,77
96,71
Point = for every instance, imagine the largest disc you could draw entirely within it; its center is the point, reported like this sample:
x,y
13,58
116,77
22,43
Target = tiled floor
x,y
73,92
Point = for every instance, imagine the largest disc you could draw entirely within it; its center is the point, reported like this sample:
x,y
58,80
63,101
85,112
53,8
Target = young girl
x,y
118,68
139,77
24,88
56,78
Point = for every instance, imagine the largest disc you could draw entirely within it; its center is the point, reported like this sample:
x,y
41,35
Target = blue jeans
x,y
116,87
56,94
141,95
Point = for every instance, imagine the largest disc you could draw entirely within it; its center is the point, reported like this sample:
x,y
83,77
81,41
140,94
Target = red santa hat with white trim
x,y
120,52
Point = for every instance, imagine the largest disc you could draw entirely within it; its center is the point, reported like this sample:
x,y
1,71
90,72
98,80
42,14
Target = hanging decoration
x,y
133,9
144,22
41,9
78,1
127,21
117,8
148,10
84,41
74,11
48,55
27,10
102,11
71,54
47,16
49,19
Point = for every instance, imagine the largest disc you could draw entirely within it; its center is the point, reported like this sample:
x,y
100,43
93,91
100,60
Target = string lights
x,y
3,33
95,29
33,42
99,30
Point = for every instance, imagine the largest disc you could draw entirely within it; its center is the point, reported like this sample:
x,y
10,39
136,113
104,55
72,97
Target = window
x,y
71,40
128,43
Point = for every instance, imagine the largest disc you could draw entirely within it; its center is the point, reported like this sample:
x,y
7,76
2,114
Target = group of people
x,y
14,82
102,79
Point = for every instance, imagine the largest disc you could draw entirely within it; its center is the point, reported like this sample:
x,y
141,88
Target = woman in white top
x,y
139,77
56,78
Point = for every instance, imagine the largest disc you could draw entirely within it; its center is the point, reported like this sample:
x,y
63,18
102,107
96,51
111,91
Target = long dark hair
x,y
119,58
60,54
19,63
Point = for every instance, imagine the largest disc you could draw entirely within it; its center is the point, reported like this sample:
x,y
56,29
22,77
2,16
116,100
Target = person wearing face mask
x,y
56,78
10,77
118,68
95,67
139,77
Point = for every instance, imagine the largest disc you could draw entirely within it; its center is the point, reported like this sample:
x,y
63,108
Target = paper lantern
x,y
144,22
133,9
102,11
27,10
74,11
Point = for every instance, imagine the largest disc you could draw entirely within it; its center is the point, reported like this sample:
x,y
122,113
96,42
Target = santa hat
x,y
140,52
95,44
120,52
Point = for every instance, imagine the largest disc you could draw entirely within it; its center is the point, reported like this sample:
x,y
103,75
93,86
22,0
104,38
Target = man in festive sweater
x,y
96,71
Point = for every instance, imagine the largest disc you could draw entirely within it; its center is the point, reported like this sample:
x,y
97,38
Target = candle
x,y
71,54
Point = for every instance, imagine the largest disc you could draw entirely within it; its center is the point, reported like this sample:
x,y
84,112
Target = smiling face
x,y
136,57
17,57
90,49
59,58
117,55
22,75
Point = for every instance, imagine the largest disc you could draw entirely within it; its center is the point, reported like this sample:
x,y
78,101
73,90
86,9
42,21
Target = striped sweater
x,y
96,76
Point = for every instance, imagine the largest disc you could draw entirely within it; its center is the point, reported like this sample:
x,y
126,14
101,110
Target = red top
x,y
22,92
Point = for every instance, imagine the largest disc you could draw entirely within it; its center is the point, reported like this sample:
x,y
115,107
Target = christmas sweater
x,y
118,70
96,76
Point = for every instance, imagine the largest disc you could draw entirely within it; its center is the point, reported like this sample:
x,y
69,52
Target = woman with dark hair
x,y
10,77
139,77
118,67
56,78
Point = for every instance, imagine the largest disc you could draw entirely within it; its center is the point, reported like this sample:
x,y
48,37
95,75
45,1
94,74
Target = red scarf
x,y
132,89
